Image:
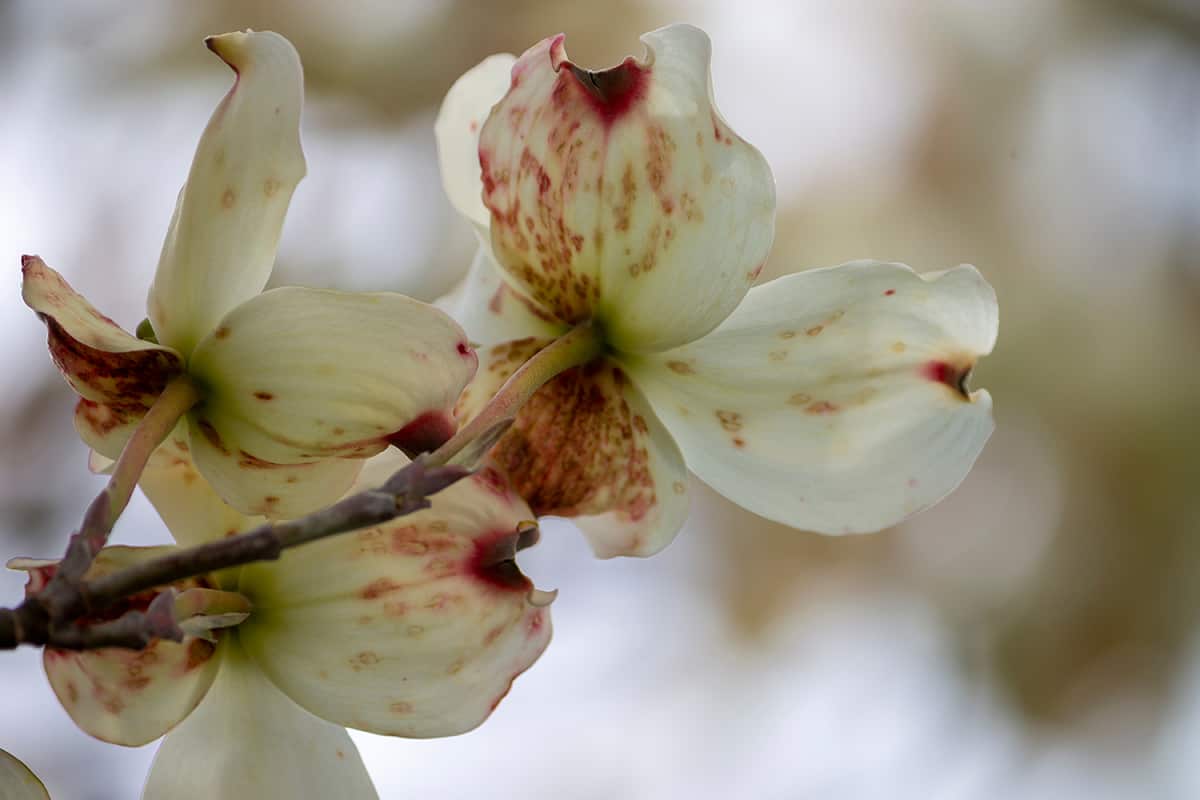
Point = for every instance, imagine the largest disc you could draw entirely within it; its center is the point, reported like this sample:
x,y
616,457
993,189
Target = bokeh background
x,y
1034,636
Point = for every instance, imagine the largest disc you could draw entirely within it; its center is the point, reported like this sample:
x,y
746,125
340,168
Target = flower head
x,y
414,628
834,400
296,386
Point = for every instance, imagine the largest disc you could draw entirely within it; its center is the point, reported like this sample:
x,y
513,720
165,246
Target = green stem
x,y
578,346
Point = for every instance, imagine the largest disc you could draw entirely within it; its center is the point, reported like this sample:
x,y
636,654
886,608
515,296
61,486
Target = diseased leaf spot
x,y
228,198
264,396
815,330
823,407
270,187
681,367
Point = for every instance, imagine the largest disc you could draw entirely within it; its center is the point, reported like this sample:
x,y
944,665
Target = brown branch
x,y
405,492
133,630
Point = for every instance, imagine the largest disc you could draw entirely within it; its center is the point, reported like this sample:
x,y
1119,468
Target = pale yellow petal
x,y
118,375
247,741
834,400
127,697
622,195
221,245
459,121
491,310
415,628
187,503
255,487
295,375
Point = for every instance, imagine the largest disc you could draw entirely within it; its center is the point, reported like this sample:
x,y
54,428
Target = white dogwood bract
x,y
413,628
832,400
247,740
297,385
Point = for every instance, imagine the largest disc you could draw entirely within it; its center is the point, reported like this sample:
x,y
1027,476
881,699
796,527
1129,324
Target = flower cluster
x,y
830,400
622,227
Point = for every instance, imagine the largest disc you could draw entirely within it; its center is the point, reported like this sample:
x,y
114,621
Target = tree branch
x,y
133,630
405,492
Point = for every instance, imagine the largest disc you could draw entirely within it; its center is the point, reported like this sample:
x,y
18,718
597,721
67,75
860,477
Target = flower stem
x,y
58,598
578,346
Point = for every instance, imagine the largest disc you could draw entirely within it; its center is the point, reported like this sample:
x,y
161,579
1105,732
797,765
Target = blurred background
x,y
1034,636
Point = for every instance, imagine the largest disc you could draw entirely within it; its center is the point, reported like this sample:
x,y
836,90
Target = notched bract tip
x,y
540,598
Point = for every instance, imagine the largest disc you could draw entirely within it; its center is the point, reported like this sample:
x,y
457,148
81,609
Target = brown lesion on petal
x,y
100,360
100,688
132,377
577,448
102,419
425,433
610,93
212,435
493,561
954,374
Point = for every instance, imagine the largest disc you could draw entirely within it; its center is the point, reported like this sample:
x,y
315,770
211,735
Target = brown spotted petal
x,y
187,503
491,310
307,378
622,195
107,427
106,365
256,487
221,245
127,697
588,445
415,628
834,400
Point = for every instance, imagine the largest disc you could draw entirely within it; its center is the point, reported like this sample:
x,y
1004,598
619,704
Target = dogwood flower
x,y
415,628
833,400
296,385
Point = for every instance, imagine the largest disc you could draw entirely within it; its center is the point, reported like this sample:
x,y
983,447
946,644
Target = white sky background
x,y
858,690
